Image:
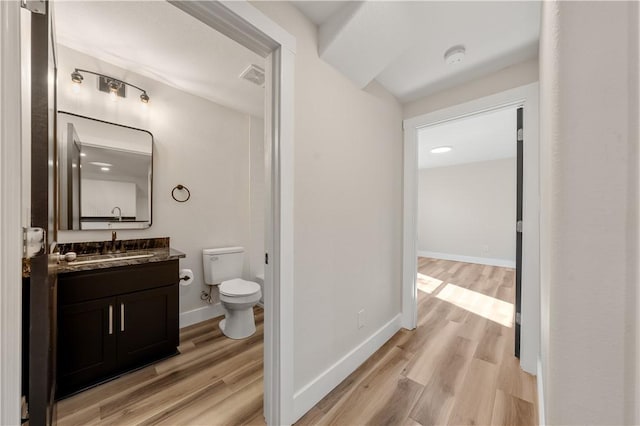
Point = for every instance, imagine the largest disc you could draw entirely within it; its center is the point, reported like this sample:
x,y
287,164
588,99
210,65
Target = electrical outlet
x,y
484,250
361,321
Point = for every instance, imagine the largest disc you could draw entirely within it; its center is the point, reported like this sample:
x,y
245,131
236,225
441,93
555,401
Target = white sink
x,y
109,259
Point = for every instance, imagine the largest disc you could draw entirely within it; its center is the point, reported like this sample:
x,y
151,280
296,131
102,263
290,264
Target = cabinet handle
x,y
110,319
122,317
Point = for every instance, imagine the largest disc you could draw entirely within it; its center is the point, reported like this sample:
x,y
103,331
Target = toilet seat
x,y
239,288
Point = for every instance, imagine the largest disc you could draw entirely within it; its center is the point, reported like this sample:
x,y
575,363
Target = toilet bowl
x,y
238,297
222,268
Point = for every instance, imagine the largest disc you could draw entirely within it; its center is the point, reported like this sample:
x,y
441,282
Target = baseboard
x,y
506,263
318,388
541,412
197,315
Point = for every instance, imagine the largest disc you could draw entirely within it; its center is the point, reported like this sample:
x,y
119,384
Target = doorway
x,y
526,97
469,198
244,24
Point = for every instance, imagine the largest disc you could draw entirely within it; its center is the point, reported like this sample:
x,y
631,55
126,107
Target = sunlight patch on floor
x,y
427,284
487,307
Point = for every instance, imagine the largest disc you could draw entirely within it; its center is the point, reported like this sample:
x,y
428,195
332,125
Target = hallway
x,y
456,368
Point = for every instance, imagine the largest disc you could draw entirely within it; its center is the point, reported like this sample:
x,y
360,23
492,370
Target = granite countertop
x,y
101,254
146,256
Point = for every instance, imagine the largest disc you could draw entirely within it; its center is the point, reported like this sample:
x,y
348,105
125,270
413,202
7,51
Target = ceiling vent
x,y
254,74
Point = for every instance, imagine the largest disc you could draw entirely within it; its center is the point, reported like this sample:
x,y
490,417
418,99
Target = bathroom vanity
x,y
116,313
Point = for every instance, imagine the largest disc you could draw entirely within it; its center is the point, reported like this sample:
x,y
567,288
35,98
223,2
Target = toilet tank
x,y
221,264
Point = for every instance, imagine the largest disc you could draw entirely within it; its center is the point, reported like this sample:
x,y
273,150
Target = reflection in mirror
x,y
105,174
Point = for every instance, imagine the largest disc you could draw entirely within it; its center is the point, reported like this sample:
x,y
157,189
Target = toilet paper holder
x,y
185,277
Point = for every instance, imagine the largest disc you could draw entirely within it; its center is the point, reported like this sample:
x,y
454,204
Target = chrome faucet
x,y
119,216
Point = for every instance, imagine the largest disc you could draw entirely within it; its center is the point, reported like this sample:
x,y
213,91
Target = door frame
x,y
527,96
11,217
245,24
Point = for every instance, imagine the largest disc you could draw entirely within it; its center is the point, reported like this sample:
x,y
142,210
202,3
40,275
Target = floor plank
x,y
396,410
439,396
509,410
475,406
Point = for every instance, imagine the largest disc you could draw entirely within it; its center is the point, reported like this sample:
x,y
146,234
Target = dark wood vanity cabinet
x,y
150,325
86,343
113,320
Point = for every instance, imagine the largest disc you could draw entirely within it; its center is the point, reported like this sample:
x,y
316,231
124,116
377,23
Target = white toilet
x,y
223,266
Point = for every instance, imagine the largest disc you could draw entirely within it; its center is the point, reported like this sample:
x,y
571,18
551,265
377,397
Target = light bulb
x,y
113,95
75,87
76,77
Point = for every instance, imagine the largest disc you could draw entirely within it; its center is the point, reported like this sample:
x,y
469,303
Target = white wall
x,y
505,79
100,196
589,188
469,210
348,205
197,143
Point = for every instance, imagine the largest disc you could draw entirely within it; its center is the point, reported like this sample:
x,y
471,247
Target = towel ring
x,y
181,188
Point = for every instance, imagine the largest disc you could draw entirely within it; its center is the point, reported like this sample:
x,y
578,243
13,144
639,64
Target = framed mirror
x,y
105,174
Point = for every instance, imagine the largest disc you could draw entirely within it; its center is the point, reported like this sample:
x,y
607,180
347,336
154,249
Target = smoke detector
x,y
254,74
454,55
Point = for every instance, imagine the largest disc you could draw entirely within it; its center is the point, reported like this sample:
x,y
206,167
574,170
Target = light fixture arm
x,y
144,97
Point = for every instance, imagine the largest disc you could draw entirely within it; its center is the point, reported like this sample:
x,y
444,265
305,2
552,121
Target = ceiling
x,y
480,137
159,41
319,11
123,165
401,44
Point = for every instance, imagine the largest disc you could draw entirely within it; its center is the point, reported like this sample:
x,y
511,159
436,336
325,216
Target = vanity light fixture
x,y
76,77
441,149
114,87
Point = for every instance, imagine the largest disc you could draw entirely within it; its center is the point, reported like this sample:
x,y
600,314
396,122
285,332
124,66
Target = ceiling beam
x,y
363,38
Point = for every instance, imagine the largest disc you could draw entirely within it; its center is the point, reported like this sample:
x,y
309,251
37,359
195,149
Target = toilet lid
x,y
239,287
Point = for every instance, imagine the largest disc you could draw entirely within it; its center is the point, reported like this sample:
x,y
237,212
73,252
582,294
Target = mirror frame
x,y
57,186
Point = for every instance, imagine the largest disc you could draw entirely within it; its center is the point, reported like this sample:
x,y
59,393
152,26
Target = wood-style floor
x,y
456,368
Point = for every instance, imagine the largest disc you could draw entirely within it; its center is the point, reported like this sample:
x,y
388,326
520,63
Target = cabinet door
x,y
147,325
86,344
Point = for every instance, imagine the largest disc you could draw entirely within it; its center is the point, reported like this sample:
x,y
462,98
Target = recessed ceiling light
x,y
99,164
105,169
454,55
83,154
441,149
